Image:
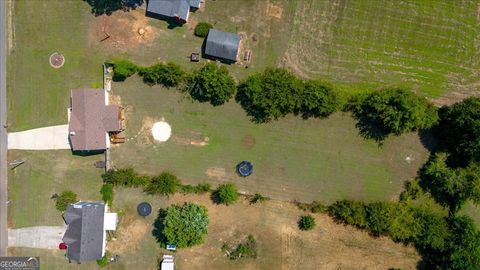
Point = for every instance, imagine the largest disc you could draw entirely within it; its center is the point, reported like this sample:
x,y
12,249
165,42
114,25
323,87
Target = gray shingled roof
x,y
91,119
170,8
84,235
195,3
222,45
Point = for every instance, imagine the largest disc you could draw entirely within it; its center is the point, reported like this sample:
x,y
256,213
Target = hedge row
x,y
445,243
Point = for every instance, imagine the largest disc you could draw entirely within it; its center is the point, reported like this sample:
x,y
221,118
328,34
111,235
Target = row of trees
x,y
445,243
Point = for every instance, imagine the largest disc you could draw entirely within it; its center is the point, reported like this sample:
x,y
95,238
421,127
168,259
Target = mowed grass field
x,y
299,159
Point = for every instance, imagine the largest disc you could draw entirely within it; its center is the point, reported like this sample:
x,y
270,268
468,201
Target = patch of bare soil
x,y
191,138
121,30
283,246
248,141
274,11
131,231
216,172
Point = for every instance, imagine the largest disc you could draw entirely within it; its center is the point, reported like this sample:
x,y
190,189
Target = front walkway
x,y
47,138
48,237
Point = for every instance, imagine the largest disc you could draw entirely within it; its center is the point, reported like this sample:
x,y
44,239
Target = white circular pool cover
x,y
161,131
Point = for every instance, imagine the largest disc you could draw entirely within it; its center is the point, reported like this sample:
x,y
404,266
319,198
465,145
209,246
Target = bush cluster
x,y
64,199
202,28
314,207
122,69
107,194
306,223
226,194
166,74
246,249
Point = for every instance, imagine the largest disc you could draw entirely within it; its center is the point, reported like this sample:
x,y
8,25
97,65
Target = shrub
x,y
463,248
226,194
380,217
164,184
314,207
211,84
434,233
183,225
270,95
64,199
405,226
248,249
107,194
258,198
393,111
350,212
202,28
127,177
318,100
123,69
459,130
412,190
306,223
104,261
168,75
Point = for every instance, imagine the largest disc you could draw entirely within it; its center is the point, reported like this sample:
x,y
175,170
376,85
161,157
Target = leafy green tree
x,y
451,187
459,130
393,111
349,212
211,83
168,75
107,194
379,217
64,199
463,247
306,223
318,100
226,194
123,69
404,227
202,28
435,231
164,184
183,225
270,95
100,7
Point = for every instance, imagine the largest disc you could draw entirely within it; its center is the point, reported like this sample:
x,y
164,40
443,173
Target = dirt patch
x,y
274,11
131,231
216,172
122,30
248,141
193,138
281,243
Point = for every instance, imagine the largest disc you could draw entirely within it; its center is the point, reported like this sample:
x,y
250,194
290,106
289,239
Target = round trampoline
x,y
245,168
144,209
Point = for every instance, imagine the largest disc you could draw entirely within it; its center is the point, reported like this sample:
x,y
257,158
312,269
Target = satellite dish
x,y
144,209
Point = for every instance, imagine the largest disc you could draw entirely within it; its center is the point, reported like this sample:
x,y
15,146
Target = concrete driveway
x,y
47,138
47,237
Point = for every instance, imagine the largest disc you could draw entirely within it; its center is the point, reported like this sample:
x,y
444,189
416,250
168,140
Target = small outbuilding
x,y
222,46
178,10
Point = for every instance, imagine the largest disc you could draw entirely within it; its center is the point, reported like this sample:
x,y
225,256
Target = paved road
x,y
48,237
3,130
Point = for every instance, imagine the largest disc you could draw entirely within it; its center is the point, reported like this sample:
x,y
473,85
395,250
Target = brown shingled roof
x,y
91,119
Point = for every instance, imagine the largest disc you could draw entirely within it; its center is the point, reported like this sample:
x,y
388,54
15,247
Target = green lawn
x,y
294,158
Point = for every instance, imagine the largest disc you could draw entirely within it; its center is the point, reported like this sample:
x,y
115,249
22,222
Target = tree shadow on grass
x,y
100,7
371,130
256,114
158,227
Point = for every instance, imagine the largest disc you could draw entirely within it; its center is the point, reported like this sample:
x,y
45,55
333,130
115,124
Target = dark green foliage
x,y
123,69
104,261
463,248
163,184
126,177
380,216
211,83
168,75
202,28
247,249
450,187
183,225
270,95
405,226
107,194
226,194
306,223
350,212
412,190
434,233
392,111
318,100
64,199
460,131
100,7
258,198
198,189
